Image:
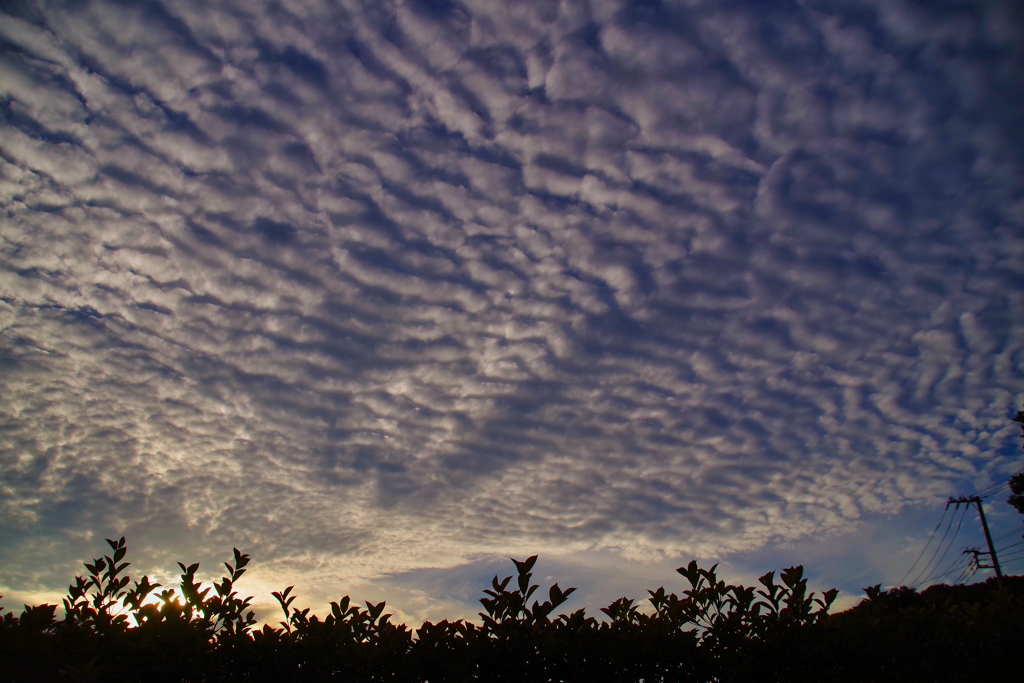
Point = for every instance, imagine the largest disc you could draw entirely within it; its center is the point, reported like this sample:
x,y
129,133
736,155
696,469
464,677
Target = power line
x,y
956,565
962,569
1008,533
1012,545
1016,552
924,572
958,524
1015,559
900,582
985,493
943,556
964,573
968,569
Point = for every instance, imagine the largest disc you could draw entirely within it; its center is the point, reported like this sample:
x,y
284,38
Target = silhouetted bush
x,y
712,632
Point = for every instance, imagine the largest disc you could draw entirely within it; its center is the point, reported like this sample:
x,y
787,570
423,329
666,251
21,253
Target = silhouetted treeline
x,y
711,632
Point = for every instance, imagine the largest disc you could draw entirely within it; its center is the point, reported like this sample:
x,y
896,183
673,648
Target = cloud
x,y
368,290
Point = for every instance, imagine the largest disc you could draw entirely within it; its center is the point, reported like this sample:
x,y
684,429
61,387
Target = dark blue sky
x,y
383,293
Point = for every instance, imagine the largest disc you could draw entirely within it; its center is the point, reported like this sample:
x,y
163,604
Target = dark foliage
x,y
1017,480
712,632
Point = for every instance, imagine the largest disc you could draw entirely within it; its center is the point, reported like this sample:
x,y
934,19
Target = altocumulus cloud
x,y
365,288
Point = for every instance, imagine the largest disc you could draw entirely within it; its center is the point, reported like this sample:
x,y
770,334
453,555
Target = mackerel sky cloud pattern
x,y
365,288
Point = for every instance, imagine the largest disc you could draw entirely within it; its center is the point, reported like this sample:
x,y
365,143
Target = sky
x,y
386,293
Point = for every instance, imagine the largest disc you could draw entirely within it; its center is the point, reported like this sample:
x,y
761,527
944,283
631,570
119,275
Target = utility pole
x,y
967,500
